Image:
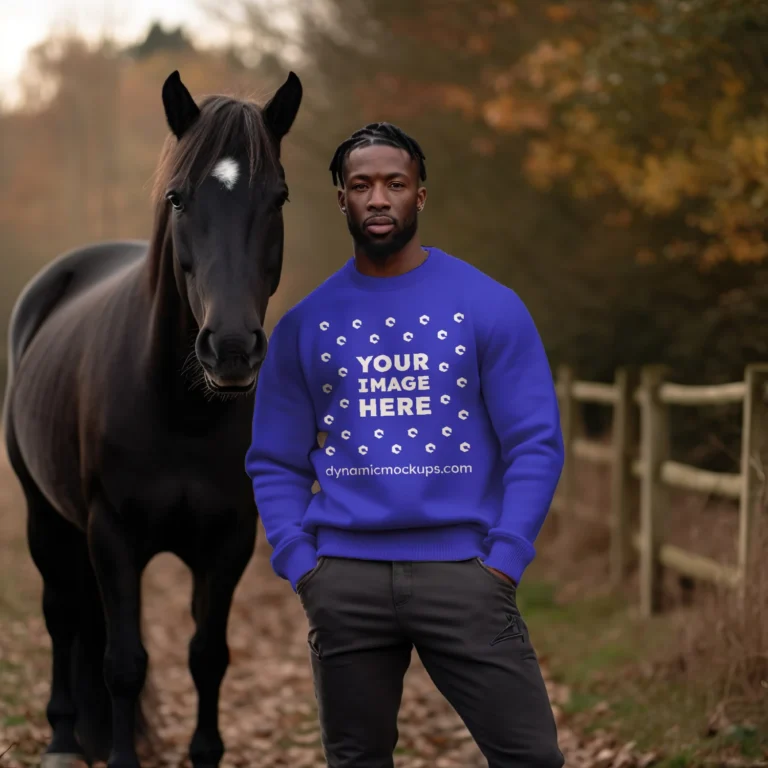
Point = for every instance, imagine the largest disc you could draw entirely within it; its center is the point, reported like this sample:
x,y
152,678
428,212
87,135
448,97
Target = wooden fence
x,y
646,456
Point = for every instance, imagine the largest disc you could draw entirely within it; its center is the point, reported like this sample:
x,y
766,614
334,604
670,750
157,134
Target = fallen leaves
x,y
268,711
602,751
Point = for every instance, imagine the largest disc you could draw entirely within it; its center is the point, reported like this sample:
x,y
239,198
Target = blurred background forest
x,y
609,161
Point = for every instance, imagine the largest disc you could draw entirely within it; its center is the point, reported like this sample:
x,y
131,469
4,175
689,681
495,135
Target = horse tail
x,y
91,697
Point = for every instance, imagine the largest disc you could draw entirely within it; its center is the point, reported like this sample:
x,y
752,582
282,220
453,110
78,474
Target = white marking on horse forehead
x,y
227,172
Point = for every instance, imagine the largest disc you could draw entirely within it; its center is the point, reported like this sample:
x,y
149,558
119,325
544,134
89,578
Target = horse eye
x,y
175,200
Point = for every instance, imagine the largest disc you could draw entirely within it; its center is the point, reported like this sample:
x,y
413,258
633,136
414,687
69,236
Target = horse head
x,y
223,188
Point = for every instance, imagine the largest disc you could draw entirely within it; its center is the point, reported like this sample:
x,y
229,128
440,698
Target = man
x,y
442,455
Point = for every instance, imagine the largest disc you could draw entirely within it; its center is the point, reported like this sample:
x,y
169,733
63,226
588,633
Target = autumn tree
x,y
661,103
658,105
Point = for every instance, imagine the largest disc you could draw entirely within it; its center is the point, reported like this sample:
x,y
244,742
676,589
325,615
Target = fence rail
x,y
640,449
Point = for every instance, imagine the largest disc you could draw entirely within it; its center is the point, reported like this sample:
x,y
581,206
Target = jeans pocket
x,y
309,575
488,572
312,642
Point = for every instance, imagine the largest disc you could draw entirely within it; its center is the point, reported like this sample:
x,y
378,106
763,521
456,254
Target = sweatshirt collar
x,y
428,267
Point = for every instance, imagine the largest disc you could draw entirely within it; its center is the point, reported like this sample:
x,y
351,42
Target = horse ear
x,y
180,108
280,111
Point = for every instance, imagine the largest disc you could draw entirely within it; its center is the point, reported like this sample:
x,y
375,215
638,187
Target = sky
x,y
23,23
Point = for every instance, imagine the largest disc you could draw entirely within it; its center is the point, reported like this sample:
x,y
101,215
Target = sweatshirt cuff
x,y
298,558
511,556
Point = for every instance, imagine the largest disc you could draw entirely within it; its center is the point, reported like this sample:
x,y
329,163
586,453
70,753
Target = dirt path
x,y
268,711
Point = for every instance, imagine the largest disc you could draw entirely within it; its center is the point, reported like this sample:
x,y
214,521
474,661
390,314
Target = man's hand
x,y
502,575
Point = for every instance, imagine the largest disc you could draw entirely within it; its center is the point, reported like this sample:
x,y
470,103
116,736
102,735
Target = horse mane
x,y
225,126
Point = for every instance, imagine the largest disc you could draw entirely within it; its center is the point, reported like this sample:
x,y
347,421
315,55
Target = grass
x,y
601,652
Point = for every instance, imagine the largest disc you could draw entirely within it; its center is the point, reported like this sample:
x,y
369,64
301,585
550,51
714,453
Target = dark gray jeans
x,y
365,616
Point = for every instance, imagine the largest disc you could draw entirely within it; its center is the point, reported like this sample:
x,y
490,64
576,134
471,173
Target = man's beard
x,y
381,249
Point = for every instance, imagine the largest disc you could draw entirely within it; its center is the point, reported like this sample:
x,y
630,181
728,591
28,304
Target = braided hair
x,y
376,133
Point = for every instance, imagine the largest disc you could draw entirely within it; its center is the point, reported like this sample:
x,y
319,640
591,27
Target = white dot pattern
x,y
446,433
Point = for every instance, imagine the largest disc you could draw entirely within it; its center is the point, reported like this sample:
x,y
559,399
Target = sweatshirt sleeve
x,y
283,435
520,396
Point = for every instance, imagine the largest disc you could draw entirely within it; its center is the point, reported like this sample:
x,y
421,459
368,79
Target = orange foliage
x,y
400,98
704,158
559,13
505,113
506,9
720,169
646,11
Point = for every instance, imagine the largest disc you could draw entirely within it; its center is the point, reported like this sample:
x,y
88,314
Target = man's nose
x,y
378,200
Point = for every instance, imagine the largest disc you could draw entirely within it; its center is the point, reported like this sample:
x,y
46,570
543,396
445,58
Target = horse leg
x,y
214,586
60,553
118,571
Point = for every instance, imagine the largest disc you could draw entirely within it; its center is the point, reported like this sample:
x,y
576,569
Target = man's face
x,y
381,198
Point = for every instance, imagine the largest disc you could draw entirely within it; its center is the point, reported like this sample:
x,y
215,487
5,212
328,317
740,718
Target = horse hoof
x,y
63,760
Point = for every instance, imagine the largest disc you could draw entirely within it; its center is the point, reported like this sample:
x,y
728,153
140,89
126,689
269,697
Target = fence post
x,y
568,417
753,456
654,451
623,498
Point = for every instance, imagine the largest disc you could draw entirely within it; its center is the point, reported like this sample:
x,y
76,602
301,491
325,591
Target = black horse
x,y
124,425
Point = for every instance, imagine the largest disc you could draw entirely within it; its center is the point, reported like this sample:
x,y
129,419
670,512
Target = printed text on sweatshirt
x,y
443,432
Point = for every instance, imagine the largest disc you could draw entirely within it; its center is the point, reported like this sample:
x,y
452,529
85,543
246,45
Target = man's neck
x,y
410,257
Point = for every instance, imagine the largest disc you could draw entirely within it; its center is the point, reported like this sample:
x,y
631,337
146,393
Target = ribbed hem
x,y
295,560
511,556
446,543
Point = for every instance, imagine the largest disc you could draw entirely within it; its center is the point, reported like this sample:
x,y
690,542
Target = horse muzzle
x,y
233,384
231,364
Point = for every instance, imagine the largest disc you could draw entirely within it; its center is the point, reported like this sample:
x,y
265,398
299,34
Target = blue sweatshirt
x,y
443,432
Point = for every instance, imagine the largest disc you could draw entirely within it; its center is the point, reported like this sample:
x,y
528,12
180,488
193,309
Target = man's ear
x,y
342,199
